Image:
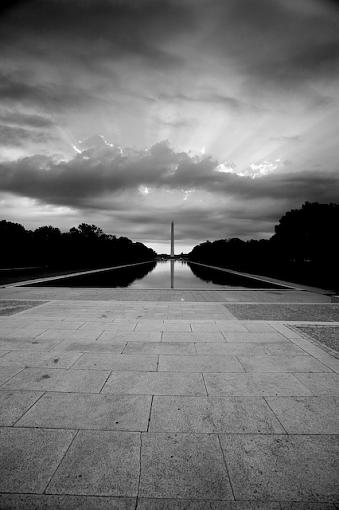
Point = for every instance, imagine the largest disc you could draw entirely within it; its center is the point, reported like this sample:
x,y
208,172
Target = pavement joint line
x,y
203,378
274,414
102,387
150,414
140,465
62,458
179,433
30,407
226,467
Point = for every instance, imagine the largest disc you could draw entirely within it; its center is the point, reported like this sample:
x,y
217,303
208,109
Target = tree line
x,y
304,248
85,246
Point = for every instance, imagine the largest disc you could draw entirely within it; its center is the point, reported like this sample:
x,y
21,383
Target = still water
x,y
167,274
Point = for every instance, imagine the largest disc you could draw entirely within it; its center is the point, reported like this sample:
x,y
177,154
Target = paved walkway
x,y
124,404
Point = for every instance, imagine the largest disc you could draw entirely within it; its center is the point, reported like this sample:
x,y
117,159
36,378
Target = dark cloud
x,y
103,170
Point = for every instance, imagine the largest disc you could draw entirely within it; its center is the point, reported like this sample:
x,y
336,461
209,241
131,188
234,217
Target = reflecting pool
x,y
176,274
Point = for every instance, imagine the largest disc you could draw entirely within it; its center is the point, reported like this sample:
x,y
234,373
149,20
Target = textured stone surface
x,y
13,404
213,414
307,415
155,383
320,384
183,466
71,410
199,364
116,362
286,312
254,384
29,457
227,378
45,379
99,463
194,504
295,468
282,364
49,502
327,335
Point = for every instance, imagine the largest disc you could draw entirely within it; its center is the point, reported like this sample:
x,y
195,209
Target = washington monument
x,y
172,239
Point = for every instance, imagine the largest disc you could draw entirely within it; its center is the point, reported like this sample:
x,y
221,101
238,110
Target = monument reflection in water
x,y
167,274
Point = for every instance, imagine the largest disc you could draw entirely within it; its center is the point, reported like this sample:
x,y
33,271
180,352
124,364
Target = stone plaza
x,y
167,399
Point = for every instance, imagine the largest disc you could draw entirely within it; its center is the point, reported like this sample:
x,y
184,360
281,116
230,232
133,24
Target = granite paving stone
x,y
107,361
28,344
7,373
65,502
254,384
88,347
213,415
282,468
195,336
258,327
89,411
194,504
320,384
183,466
40,359
58,379
13,404
282,364
249,349
133,336
159,348
29,457
307,415
155,383
293,505
285,312
57,334
253,337
99,463
199,364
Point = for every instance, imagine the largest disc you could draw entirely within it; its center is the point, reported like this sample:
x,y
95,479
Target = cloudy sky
x,y
217,114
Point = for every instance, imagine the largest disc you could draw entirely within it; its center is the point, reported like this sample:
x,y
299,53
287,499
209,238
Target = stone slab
x,y
199,364
40,359
286,312
250,349
307,415
208,336
29,457
254,384
320,384
194,504
49,502
77,335
213,415
99,463
183,466
45,379
89,347
82,411
13,404
133,336
253,337
282,364
282,468
155,383
117,362
160,348
7,373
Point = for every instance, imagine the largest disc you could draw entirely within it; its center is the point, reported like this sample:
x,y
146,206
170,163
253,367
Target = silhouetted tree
x,y
304,248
